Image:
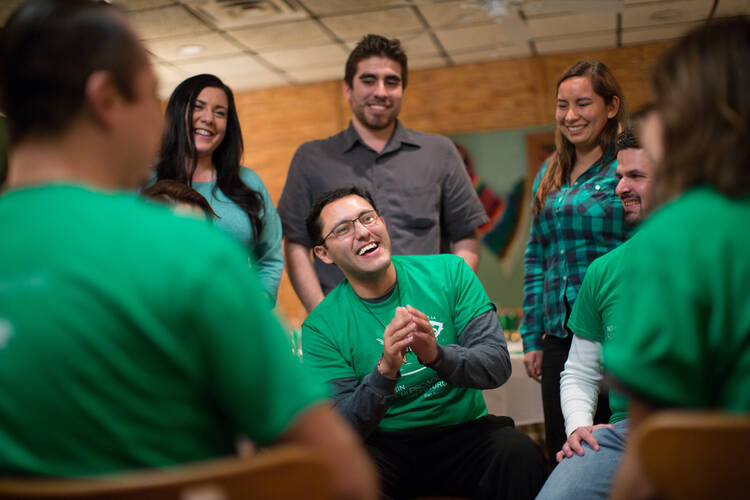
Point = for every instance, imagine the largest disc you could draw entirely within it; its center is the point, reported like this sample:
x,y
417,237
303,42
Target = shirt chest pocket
x,y
417,207
596,201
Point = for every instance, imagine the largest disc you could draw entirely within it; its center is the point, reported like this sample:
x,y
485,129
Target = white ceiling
x,y
254,44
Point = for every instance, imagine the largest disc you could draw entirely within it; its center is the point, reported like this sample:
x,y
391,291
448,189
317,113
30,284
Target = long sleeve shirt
x,y
579,222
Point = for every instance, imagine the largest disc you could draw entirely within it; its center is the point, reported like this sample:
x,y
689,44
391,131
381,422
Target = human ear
x,y
102,97
613,107
322,253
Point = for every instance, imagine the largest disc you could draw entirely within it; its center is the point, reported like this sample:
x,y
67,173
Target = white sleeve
x,y
579,383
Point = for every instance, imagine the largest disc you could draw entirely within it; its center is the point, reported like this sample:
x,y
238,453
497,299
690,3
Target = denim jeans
x,y
589,476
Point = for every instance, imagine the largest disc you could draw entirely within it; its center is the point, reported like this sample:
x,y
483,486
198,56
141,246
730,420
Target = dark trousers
x,y
483,458
553,362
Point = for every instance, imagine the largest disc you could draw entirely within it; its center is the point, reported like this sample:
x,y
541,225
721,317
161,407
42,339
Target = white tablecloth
x,y
519,398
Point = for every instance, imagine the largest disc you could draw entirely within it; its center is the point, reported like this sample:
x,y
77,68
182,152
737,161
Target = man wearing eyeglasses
x,y
407,343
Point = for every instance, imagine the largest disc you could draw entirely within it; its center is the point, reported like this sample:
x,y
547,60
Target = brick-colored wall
x,y
461,99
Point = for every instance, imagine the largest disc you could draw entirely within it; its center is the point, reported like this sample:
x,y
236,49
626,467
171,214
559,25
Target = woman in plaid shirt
x,y
577,218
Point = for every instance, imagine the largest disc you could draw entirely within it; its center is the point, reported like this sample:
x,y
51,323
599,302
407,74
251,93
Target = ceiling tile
x,y
387,22
476,37
223,66
575,43
732,8
282,36
169,48
324,55
167,21
500,52
575,23
333,7
426,62
454,14
653,14
309,75
418,44
653,33
251,81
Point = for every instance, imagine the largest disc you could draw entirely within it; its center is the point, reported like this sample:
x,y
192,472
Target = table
x,y
520,397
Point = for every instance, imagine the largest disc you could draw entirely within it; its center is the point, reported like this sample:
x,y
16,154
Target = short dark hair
x,y
314,230
172,192
627,140
376,46
48,50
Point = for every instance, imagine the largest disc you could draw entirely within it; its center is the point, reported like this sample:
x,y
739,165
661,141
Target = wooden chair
x,y
282,472
696,454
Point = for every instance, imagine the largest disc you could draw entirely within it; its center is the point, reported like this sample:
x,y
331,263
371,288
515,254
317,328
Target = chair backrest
x,y
281,472
696,454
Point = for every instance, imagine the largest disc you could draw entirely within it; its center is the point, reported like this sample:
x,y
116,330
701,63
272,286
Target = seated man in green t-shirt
x,y
129,338
589,457
408,342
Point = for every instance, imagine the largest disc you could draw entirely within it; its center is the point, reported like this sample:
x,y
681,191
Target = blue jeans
x,y
589,476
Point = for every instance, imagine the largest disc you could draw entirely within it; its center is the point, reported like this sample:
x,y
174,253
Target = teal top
x,y
266,248
118,353
687,310
580,222
343,337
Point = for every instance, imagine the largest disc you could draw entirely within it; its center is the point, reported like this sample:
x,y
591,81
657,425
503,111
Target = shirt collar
x,y
401,135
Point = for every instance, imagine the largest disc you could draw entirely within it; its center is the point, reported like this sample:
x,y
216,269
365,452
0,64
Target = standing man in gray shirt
x,y
417,179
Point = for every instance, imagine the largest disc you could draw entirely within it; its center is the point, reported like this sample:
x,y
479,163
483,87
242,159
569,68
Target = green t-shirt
x,y
131,338
592,315
688,316
343,337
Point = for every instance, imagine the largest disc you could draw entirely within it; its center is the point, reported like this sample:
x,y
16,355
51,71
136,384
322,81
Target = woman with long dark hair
x,y
202,147
577,218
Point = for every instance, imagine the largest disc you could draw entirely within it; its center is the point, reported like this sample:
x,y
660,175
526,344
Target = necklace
x,y
397,288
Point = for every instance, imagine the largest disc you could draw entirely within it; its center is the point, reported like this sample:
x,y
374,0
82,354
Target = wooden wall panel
x,y
461,99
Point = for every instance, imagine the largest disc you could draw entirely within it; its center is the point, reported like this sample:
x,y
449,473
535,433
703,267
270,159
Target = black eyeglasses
x,y
345,228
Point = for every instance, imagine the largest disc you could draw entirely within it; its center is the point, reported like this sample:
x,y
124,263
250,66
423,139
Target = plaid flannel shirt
x,y
579,223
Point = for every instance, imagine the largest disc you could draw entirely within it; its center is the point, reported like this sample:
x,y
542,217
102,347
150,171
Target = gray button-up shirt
x,y
418,182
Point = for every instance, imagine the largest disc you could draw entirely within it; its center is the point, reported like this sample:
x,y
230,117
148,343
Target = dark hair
x,y
173,192
564,157
313,218
627,140
701,86
178,151
376,46
48,50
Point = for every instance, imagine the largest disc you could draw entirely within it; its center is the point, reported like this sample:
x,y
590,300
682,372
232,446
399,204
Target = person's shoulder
x,y
429,262
321,145
252,179
426,139
329,307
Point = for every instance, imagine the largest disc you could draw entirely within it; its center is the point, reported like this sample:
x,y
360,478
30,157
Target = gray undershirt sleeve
x,y
364,403
481,359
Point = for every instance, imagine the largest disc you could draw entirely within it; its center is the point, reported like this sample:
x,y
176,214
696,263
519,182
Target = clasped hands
x,y
409,329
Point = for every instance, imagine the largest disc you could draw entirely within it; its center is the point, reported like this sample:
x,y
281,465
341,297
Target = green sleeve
x,y
258,383
470,298
321,354
585,319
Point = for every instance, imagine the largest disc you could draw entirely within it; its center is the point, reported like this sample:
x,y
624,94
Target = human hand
x,y
533,362
397,337
424,344
583,433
